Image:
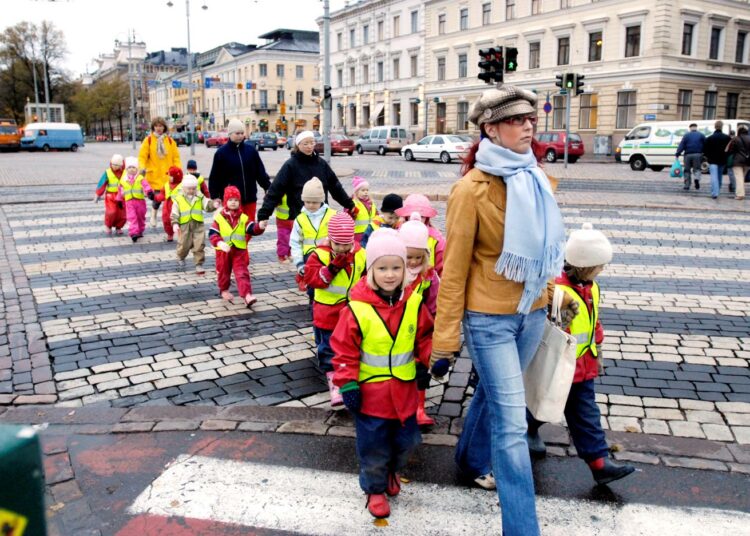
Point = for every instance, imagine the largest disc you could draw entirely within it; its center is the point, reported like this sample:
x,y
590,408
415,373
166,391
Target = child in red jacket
x,y
108,187
377,342
229,235
165,195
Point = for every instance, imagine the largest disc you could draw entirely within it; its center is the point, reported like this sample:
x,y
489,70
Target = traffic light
x,y
578,84
175,116
326,92
569,82
491,65
511,59
559,82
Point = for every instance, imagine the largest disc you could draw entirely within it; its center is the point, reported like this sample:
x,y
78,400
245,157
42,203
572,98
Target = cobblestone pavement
x,y
92,320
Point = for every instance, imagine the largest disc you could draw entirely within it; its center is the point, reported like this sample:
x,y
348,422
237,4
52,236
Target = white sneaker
x,y
486,481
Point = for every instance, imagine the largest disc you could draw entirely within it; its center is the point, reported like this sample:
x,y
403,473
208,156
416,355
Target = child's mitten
x,y
223,246
352,396
301,269
423,377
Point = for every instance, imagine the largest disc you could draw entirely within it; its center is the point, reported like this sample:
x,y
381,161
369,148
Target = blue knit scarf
x,y
534,244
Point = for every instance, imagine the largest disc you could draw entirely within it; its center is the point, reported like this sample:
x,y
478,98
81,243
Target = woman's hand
x,y
263,224
568,313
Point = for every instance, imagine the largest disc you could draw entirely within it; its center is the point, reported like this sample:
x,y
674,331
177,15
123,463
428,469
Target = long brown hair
x,y
470,160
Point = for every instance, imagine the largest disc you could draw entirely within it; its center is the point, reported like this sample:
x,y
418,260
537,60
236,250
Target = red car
x,y
339,144
215,139
551,146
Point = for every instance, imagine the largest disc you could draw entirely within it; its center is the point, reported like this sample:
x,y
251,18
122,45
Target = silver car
x,y
381,140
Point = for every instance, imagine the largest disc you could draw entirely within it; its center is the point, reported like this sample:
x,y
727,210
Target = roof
x,y
292,40
209,56
176,57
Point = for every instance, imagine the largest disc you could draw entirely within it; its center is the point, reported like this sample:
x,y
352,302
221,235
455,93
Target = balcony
x,y
264,107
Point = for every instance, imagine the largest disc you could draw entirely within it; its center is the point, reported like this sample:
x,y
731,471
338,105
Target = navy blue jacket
x,y
240,166
715,148
692,143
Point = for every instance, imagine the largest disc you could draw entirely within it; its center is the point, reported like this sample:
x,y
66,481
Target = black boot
x,y
697,184
537,448
611,472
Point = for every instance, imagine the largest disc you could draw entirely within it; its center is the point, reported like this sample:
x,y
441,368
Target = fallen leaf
x,y
379,522
633,429
616,447
404,480
175,503
57,506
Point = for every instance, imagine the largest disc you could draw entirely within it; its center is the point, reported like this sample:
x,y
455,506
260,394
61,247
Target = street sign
x,y
176,84
207,83
563,92
547,107
649,117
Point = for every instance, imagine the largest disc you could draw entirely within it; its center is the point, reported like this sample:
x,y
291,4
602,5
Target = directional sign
x,y
176,84
547,107
649,117
207,83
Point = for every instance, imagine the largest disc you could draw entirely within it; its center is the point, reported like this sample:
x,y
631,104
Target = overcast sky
x,y
91,26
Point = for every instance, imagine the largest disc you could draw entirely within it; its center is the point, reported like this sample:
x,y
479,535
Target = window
x,y
462,122
441,23
414,21
352,76
462,66
715,47
414,115
437,140
352,35
299,98
687,38
464,19
299,71
595,46
558,112
352,117
264,98
396,26
365,114
380,71
536,7
563,50
365,74
396,68
263,69
365,34
279,96
632,41
684,102
510,9
625,109
280,70
739,54
339,41
340,77
441,69
534,51
396,113
486,13
413,66
709,105
380,30
732,102
589,111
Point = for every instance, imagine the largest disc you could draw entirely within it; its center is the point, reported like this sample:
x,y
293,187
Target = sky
x,y
90,27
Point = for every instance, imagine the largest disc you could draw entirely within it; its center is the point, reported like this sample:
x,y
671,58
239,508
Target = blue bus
x,y
46,136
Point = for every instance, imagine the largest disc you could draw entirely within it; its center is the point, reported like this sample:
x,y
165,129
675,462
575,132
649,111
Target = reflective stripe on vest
x,y
583,326
432,245
282,211
338,290
310,235
234,236
112,181
363,216
132,191
383,357
187,211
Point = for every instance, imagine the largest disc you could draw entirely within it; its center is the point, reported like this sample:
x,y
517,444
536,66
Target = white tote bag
x,y
548,377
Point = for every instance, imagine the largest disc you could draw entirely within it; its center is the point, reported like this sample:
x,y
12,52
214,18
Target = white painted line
x,y
315,502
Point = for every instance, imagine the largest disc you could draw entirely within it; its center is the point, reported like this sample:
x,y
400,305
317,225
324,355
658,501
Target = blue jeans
x,y
325,352
494,432
716,171
383,447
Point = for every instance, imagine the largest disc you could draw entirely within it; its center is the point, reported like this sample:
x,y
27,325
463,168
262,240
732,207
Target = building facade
x,y
643,59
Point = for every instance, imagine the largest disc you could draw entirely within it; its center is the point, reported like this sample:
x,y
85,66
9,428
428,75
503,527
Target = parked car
x,y
180,138
263,140
443,147
339,144
10,136
216,139
281,141
46,136
551,146
382,140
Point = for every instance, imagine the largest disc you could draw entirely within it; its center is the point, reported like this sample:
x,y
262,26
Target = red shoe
x,y
377,504
394,485
422,418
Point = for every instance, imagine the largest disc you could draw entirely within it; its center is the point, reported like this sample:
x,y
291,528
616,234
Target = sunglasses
x,y
520,120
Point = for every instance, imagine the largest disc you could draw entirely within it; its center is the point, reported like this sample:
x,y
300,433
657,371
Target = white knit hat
x,y
189,181
303,136
131,161
235,125
116,160
587,247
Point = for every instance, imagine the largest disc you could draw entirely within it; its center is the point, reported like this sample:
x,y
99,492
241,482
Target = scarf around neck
x,y
161,150
534,243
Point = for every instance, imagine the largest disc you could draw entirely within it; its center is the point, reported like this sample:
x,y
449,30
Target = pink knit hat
x,y
341,228
414,233
384,243
359,182
417,203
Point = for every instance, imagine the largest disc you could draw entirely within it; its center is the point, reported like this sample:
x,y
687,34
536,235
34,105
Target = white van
x,y
653,144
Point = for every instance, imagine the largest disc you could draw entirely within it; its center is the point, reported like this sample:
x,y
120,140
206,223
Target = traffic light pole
x,y
326,81
567,126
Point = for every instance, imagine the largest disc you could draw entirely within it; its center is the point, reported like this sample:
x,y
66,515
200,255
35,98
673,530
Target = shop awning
x,y
376,112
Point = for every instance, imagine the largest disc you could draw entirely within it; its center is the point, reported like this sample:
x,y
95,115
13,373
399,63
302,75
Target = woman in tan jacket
x,y
505,241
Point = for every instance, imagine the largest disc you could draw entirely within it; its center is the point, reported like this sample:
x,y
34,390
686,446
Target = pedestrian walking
x,y
505,242
386,218
133,191
284,227
587,252
382,334
303,164
165,194
332,270
421,204
158,153
740,150
716,154
188,206
692,145
229,236
310,228
108,187
366,210
238,164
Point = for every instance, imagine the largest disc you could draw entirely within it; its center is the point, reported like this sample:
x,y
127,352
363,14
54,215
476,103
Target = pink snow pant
x,y
136,213
283,234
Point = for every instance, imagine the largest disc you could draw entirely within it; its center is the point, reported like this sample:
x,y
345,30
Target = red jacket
x,y
317,275
391,399
429,296
233,217
587,366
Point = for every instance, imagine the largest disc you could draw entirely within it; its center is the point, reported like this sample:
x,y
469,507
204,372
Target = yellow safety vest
x,y
310,235
342,283
363,217
381,356
432,245
169,192
132,191
112,181
187,211
282,211
234,236
583,326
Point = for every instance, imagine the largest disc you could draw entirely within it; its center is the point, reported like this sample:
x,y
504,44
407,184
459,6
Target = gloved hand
x,y
301,269
341,260
142,172
352,396
223,246
150,195
567,314
353,212
97,198
155,204
423,377
217,204
440,362
262,224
